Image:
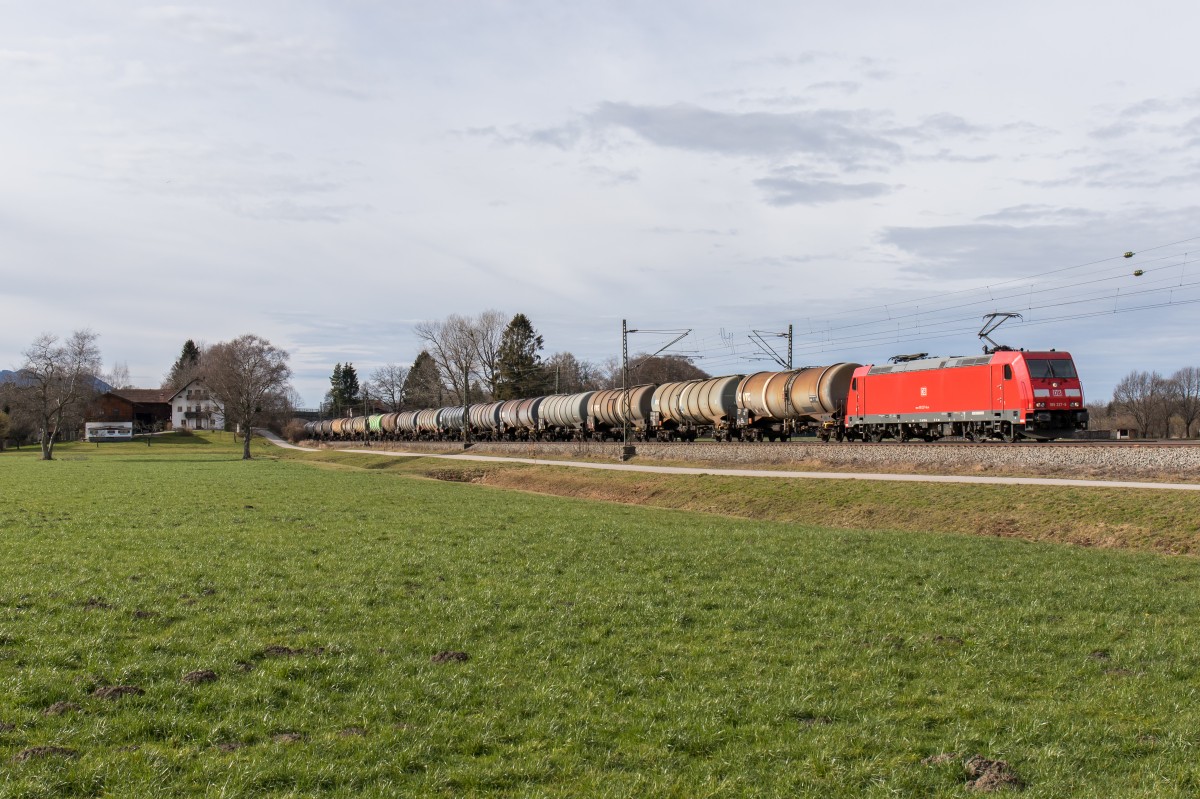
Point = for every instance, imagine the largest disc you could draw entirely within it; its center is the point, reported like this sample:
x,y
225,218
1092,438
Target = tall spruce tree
x,y
423,386
343,389
521,373
186,366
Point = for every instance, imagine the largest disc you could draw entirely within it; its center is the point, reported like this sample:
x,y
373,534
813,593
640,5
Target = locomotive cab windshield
x,y
1052,368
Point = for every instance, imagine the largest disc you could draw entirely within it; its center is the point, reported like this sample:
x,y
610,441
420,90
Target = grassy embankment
x,y
612,650
1153,520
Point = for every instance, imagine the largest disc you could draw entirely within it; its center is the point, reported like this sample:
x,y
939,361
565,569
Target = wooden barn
x,y
147,408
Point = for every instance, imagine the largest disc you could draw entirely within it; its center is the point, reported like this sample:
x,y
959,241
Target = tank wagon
x,y
1004,395
690,409
609,413
564,417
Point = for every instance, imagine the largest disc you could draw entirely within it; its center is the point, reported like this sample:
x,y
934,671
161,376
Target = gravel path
x,y
1156,458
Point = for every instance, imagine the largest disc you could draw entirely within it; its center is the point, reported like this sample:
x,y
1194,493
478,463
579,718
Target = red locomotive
x,y
1002,395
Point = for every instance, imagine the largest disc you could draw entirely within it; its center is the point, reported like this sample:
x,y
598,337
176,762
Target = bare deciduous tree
x,y
1187,397
387,383
566,374
1146,397
489,331
56,382
248,379
118,376
663,369
458,345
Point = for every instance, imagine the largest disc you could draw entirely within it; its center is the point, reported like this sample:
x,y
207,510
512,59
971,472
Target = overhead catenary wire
x,y
949,314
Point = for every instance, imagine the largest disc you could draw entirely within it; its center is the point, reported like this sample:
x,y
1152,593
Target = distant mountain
x,y
9,376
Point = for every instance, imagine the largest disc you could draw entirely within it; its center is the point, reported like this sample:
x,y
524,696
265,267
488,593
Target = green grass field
x,y
611,650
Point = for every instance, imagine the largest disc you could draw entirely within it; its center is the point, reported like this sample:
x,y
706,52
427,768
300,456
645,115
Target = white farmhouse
x,y
192,408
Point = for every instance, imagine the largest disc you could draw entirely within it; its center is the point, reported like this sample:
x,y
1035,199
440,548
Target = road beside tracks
x,y
769,473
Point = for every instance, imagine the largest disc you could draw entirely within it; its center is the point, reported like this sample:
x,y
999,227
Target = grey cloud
x,y
615,177
563,137
789,191
1147,107
841,136
994,249
1138,117
946,156
1114,131
949,125
1128,170
982,251
1031,212
676,231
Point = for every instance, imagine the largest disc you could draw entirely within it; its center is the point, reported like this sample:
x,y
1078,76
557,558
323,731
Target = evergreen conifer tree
x,y
186,366
423,386
520,366
343,389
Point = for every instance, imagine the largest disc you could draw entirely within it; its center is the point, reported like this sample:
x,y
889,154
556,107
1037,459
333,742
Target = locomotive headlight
x,y
1074,404
1039,405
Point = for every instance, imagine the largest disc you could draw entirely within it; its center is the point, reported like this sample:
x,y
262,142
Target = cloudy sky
x,y
327,174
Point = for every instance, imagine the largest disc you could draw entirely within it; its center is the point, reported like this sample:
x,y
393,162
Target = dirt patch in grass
x,y
811,720
144,614
60,708
39,752
288,738
6,727
97,603
940,759
117,691
446,656
991,775
200,676
352,732
230,746
280,651
459,475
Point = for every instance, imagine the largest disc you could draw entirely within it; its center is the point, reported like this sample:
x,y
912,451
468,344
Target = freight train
x,y
1004,395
